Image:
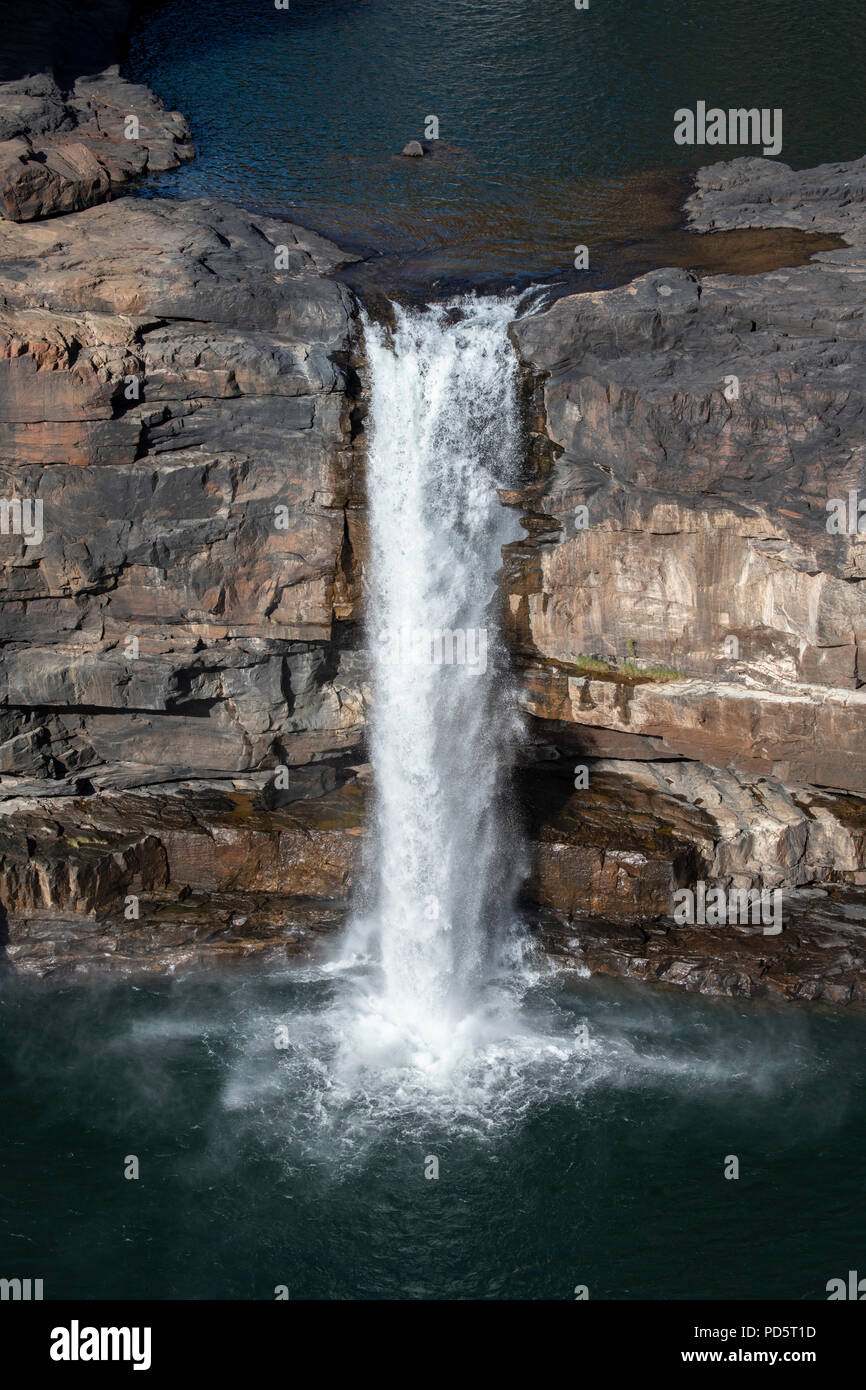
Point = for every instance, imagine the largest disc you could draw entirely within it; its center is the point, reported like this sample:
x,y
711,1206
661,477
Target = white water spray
x,y
444,437
431,1024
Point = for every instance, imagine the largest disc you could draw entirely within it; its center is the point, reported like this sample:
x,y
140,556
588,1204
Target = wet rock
x,y
200,933
820,954
159,872
413,150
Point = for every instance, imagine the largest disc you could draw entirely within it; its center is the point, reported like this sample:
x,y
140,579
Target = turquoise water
x,y
550,119
602,1167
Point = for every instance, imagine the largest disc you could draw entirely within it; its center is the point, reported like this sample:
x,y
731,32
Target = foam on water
x,y
349,1083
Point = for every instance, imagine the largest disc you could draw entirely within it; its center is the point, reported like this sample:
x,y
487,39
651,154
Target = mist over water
x,y
263,1167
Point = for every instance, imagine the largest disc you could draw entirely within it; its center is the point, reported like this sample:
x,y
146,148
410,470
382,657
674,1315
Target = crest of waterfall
x,y
444,436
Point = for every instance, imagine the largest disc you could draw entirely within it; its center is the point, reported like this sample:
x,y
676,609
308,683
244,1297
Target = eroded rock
x,y
61,152
688,624
185,422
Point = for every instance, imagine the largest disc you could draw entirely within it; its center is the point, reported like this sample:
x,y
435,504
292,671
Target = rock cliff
x,y
183,692
688,618
175,659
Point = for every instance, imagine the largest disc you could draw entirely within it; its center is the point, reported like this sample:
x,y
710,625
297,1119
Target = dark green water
x,y
557,1168
550,119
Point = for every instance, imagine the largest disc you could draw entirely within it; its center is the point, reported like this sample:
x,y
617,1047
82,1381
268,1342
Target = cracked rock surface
x,y
64,151
690,626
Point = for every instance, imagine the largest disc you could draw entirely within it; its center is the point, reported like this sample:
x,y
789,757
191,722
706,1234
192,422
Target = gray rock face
x,y
180,685
683,592
63,152
767,193
714,509
185,423
32,106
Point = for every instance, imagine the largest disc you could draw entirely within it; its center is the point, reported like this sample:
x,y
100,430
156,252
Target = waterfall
x,y
430,1017
444,435
432,1023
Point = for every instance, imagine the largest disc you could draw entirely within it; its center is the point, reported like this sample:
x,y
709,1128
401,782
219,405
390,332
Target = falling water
x,y
432,1011
444,437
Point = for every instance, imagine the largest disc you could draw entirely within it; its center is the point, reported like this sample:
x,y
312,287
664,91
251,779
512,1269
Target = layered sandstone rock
x,y
176,393
707,516
820,954
690,628
150,878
